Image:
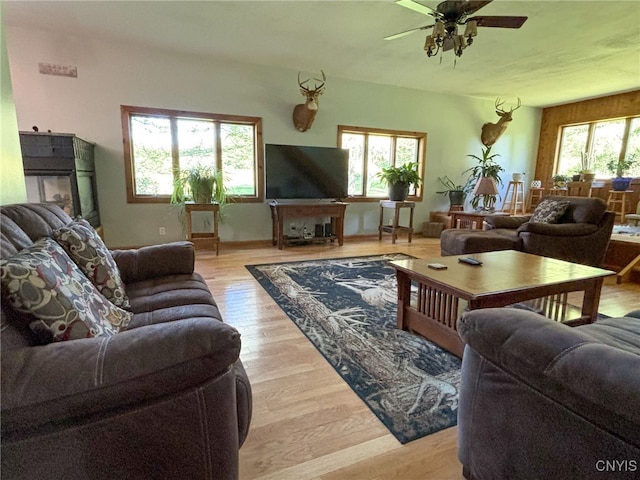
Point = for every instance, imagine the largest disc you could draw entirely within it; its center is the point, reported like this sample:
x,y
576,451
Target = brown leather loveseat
x,y
165,398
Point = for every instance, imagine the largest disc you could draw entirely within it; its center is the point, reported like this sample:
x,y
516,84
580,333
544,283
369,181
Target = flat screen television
x,y
295,172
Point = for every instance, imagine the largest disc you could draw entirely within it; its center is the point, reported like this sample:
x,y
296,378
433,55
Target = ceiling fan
x,y
448,15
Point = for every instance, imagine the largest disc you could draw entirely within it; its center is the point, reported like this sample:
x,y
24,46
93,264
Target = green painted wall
x,y
12,187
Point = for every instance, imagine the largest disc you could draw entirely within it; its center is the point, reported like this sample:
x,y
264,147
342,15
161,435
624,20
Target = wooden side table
x,y
617,202
395,228
203,239
471,220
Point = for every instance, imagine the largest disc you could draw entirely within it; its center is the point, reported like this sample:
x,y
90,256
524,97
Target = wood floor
x,y
307,423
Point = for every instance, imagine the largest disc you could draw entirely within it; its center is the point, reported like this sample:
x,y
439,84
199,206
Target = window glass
x,y
355,144
370,150
238,149
605,142
151,147
572,144
159,143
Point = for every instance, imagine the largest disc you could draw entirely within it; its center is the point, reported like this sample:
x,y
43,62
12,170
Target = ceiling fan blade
x,y
406,32
499,21
458,8
417,7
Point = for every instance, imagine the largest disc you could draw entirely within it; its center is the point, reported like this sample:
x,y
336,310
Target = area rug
x,y
347,308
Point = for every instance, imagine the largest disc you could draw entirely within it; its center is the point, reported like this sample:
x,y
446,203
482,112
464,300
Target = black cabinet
x,y
60,168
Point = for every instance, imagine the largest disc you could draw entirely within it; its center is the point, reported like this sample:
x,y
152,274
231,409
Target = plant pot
x,y
588,176
576,177
398,192
620,184
456,197
517,177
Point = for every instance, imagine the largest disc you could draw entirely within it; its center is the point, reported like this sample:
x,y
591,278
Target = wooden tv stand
x,y
281,211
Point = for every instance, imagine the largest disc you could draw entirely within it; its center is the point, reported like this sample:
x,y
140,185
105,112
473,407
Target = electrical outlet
x,y
292,226
162,231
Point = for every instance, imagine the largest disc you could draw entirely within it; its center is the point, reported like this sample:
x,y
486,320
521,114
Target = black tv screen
x,y
294,172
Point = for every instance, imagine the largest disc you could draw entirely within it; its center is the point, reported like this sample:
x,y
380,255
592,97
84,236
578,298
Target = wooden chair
x,y
579,189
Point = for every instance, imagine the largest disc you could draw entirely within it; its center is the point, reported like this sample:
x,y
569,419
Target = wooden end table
x,y
472,220
505,277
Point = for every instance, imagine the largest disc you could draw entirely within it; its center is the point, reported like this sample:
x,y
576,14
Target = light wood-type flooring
x,y
307,423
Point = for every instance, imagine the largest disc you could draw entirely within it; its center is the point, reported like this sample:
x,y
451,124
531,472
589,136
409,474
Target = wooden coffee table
x,y
505,277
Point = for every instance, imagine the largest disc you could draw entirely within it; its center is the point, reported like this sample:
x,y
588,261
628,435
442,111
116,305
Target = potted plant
x,y
456,193
620,168
199,184
400,180
486,178
587,173
560,180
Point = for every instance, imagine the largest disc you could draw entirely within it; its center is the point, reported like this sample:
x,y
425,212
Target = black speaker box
x,y
327,230
319,230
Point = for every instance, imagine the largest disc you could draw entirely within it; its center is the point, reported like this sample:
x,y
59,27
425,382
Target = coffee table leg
x,y
591,300
404,297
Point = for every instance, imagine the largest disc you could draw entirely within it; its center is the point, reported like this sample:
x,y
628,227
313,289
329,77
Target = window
x,y
372,149
160,143
607,141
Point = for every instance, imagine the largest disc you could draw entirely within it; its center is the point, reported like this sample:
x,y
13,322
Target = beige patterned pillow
x,y
85,247
54,298
549,211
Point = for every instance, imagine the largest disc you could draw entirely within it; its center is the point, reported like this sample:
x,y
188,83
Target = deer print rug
x,y
347,308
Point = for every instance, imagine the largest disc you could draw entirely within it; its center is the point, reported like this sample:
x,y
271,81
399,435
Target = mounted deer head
x,y
304,113
492,131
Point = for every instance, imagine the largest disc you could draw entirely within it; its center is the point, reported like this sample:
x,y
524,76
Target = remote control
x,y
470,261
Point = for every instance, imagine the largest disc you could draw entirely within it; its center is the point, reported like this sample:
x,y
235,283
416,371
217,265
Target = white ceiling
x,y
567,50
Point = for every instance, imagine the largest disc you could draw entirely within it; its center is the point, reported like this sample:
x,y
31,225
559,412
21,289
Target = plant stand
x,y
395,228
203,240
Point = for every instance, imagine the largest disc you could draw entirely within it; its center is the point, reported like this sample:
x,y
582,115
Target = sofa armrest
x,y
65,381
505,221
559,229
155,261
556,360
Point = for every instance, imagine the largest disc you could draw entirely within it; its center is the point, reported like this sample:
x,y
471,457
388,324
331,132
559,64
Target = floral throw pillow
x,y
54,299
85,247
549,211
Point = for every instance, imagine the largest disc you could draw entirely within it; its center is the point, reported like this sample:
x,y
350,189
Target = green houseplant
x,y
456,193
485,174
400,180
560,180
620,168
199,184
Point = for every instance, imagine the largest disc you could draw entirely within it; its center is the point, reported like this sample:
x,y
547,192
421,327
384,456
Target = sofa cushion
x,y
85,247
54,298
549,211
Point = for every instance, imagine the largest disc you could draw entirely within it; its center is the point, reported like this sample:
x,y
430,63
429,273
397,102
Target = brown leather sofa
x,y
167,398
581,235
540,400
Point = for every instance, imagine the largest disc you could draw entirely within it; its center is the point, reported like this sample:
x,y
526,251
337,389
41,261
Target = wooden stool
x,y
511,203
618,199
394,228
534,197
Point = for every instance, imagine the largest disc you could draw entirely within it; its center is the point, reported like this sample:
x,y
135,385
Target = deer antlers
x,y
500,103
317,89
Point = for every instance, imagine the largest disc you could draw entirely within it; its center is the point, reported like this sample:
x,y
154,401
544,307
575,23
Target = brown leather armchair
x,y
581,235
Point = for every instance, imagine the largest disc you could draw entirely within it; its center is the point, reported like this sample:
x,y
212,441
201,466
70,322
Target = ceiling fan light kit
x,y
449,15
